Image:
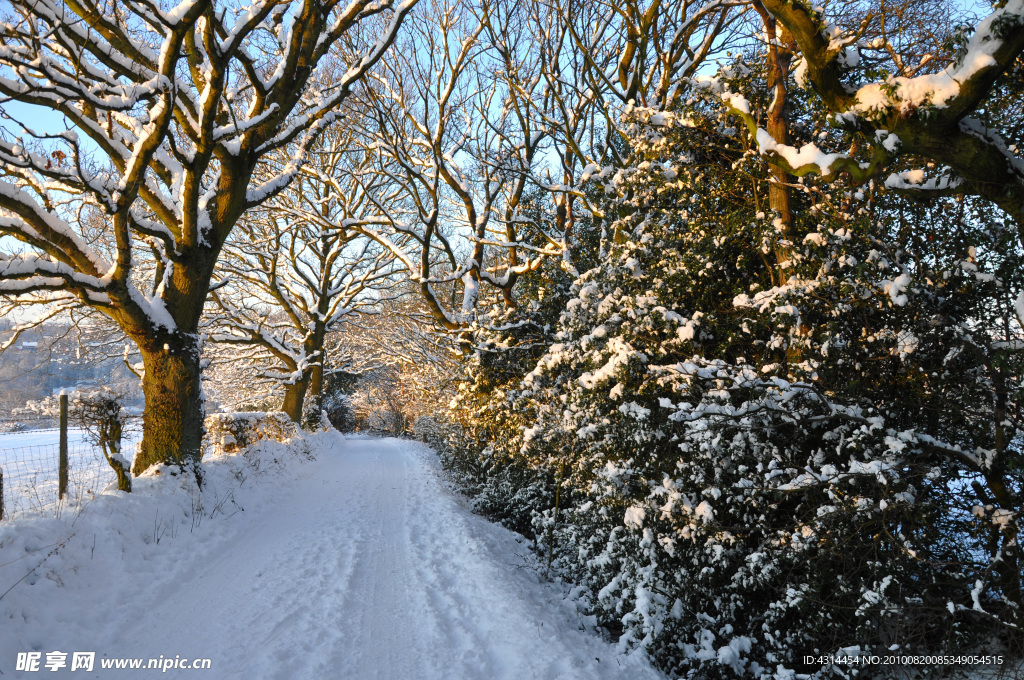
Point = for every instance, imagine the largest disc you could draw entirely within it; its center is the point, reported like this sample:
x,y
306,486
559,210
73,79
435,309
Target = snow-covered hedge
x,y
426,428
232,432
746,447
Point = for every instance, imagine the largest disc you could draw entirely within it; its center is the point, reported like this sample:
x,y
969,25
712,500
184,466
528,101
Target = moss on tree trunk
x,y
294,396
172,430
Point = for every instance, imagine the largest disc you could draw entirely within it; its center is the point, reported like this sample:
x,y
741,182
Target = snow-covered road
x,y
364,566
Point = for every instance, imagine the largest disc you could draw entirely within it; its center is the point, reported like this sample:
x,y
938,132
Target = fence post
x,y
62,472
1,493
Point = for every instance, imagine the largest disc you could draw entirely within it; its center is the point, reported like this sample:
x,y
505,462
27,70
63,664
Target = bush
x,y
756,461
233,432
101,414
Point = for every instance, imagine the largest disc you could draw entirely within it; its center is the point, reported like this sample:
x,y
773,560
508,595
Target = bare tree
x,y
452,155
597,58
290,283
466,121
398,366
179,108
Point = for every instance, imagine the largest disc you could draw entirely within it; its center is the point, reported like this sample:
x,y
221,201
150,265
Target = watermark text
x,y
86,661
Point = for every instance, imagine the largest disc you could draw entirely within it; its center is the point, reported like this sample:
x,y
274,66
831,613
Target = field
x,y
29,463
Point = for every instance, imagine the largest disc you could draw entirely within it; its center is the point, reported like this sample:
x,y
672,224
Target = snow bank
x,y
53,572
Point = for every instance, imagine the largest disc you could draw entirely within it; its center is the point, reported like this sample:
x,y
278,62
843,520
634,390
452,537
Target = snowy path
x,y
366,567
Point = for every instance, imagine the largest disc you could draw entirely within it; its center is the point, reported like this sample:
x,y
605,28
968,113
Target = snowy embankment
x,y
358,564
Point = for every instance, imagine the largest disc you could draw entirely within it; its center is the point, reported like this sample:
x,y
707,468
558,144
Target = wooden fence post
x,y
62,472
1,494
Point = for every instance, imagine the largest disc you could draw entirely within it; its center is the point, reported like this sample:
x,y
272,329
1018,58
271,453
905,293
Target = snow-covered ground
x,y
358,564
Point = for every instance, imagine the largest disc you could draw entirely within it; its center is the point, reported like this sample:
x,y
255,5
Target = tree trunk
x,y
778,128
294,396
110,441
172,426
316,383
315,348
124,479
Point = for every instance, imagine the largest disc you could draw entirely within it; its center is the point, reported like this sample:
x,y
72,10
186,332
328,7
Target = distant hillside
x,y
56,356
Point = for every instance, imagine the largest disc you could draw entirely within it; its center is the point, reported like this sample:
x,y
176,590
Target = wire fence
x,y
30,466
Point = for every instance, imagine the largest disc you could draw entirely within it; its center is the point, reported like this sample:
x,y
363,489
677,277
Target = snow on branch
x,y
168,115
927,115
797,161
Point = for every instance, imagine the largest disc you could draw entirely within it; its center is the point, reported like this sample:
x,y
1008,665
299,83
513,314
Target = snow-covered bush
x,y
765,444
338,406
233,432
101,414
314,417
426,428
